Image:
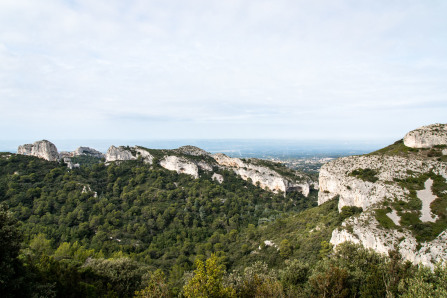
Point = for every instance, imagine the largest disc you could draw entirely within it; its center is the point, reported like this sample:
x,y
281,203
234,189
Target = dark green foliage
x,y
348,211
86,160
10,239
410,210
365,174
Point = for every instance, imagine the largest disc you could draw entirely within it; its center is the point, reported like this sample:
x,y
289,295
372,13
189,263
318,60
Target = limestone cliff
x,y
266,178
427,136
394,188
180,165
122,153
42,149
88,151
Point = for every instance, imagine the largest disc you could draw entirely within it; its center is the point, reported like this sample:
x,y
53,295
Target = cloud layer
x,y
221,69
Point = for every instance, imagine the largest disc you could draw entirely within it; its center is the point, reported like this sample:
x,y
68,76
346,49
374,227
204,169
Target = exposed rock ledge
x,y
335,179
364,230
180,165
127,153
267,178
42,149
427,136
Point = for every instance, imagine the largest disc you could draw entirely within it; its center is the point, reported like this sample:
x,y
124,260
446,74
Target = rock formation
x,y
218,177
427,136
373,182
264,176
42,149
180,165
122,153
192,150
88,151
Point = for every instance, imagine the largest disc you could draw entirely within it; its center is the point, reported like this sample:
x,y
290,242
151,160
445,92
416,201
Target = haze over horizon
x,y
320,70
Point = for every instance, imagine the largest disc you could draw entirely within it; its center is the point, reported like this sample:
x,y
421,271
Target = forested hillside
x,y
130,228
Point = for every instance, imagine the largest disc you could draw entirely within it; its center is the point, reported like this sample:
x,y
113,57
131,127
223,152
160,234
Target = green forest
x,y
129,229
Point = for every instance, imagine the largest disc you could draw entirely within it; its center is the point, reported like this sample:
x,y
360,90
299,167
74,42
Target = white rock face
x,y
427,197
218,177
180,165
427,136
365,230
147,157
265,177
131,153
88,151
336,180
118,153
42,149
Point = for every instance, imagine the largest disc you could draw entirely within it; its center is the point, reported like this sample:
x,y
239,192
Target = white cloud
x,y
288,68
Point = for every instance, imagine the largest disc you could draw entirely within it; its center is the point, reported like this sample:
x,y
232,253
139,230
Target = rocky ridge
x,y
427,136
383,184
266,177
190,160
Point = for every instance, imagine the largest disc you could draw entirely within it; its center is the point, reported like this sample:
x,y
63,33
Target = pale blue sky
x,y
336,69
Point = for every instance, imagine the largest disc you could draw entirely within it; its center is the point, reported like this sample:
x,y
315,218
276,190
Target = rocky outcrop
x,y
180,165
335,178
365,230
42,149
373,183
218,177
427,136
119,153
88,151
191,150
122,153
265,177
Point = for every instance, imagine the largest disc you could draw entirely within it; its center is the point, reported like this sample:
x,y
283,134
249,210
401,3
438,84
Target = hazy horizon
x,y
232,147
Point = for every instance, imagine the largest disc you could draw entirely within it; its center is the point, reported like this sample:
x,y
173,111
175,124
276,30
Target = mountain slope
x,y
402,191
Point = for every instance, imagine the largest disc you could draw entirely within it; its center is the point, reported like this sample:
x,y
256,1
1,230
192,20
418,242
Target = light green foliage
x,y
256,280
156,287
208,280
426,283
40,245
383,219
294,278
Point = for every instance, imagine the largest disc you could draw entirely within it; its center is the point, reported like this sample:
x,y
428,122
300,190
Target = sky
x,y
279,69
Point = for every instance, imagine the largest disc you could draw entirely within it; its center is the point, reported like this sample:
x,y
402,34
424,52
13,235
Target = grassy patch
x,y
365,174
398,148
383,219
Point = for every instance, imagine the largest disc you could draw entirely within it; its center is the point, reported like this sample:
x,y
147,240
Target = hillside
x,y
402,191
166,223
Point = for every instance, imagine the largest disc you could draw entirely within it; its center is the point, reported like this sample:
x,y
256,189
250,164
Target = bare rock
x,y
88,151
42,149
180,165
427,136
122,153
265,177
218,177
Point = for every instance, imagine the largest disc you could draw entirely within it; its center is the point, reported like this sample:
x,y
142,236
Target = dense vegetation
x,y
131,229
